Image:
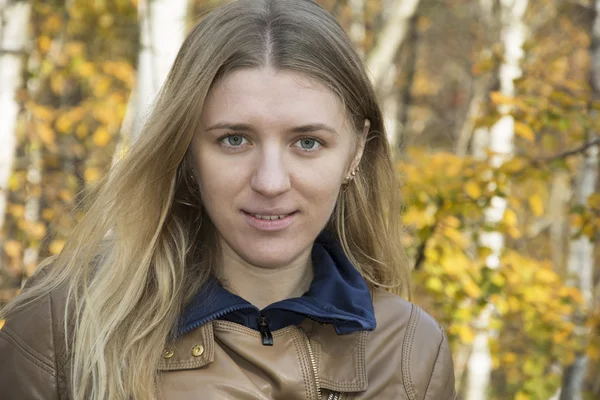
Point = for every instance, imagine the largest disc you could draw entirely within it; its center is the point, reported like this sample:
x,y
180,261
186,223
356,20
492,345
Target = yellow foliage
x,y
576,220
536,205
499,98
64,124
514,304
13,248
524,131
560,337
44,43
498,280
56,246
594,201
58,83
53,24
510,218
473,190
101,87
17,210
1,323
101,137
37,229
46,134
92,175
471,289
48,214
434,284
40,112
65,195
522,396
81,131
509,358
465,334
547,276
86,69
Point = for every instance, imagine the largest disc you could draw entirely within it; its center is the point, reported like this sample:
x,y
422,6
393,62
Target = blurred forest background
x,y
493,109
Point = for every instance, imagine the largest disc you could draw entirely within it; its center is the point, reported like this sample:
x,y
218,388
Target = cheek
x,y
319,186
218,181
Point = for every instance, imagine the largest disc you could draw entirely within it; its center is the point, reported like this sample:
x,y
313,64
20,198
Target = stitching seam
x,y
407,352
301,359
434,364
39,363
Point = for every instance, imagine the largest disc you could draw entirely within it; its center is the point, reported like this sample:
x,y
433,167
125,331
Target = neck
x,y
263,286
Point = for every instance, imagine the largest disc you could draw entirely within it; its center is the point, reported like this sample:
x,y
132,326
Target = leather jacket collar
x,y
338,295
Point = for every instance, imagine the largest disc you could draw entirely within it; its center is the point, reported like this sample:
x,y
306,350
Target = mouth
x,y
269,217
270,222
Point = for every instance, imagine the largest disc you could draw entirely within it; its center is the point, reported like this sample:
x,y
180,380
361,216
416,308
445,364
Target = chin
x,y
260,259
269,255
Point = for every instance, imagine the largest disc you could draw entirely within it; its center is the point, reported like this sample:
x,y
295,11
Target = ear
x,y
360,146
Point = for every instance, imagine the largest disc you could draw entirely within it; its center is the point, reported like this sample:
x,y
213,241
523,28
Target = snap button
x,y
197,350
168,353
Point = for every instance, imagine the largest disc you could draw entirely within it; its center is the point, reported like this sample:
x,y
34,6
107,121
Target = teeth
x,y
269,217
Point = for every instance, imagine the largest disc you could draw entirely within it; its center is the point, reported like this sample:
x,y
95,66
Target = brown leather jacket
x,y
407,357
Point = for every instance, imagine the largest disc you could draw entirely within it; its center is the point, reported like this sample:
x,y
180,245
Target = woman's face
x,y
270,156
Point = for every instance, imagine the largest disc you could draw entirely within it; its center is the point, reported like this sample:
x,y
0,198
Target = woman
x,y
246,247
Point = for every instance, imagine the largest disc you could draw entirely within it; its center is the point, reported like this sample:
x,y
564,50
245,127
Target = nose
x,y
270,177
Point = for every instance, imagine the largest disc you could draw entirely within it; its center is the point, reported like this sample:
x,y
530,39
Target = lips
x,y
269,214
269,221
270,217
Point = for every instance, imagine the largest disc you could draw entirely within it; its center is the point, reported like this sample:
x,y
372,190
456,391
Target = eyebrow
x,y
298,129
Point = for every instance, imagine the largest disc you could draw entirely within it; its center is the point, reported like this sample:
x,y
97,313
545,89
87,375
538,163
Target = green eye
x,y
234,140
309,144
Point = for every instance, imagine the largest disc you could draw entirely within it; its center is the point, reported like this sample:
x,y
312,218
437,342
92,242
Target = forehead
x,y
276,97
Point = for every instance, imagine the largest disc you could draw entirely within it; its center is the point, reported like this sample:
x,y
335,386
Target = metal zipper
x,y
313,363
332,395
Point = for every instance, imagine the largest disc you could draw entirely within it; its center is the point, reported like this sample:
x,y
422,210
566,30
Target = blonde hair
x,y
145,244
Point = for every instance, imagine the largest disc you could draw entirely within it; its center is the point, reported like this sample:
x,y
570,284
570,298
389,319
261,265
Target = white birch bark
x,y
390,39
381,62
357,26
162,31
14,21
513,34
580,261
390,106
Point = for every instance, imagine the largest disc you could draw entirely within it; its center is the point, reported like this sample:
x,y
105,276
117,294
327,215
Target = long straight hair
x,y
145,244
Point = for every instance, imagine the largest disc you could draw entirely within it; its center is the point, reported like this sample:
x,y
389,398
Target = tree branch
x,y
12,51
573,152
566,154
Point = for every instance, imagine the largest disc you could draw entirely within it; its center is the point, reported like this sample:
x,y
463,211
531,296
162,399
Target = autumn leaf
x,y
56,246
101,137
13,248
473,190
524,131
536,205
92,175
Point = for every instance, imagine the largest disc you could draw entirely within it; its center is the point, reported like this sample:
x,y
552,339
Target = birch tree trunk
x,y
513,34
162,31
580,262
381,61
357,26
390,39
14,21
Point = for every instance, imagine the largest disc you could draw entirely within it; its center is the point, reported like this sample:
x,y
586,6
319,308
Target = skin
x,y
268,165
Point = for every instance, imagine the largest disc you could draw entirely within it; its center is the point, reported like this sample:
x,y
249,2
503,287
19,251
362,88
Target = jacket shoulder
x,y
419,346
28,367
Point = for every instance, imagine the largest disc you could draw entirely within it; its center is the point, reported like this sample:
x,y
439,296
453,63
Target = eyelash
x,y
222,138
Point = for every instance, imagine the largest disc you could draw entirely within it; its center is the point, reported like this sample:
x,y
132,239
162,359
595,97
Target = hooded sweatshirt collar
x,y
338,295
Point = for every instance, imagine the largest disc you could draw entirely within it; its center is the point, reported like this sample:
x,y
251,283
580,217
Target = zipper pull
x,y
265,332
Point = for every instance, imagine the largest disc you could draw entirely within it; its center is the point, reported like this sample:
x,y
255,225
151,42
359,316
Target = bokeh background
x,y
492,107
